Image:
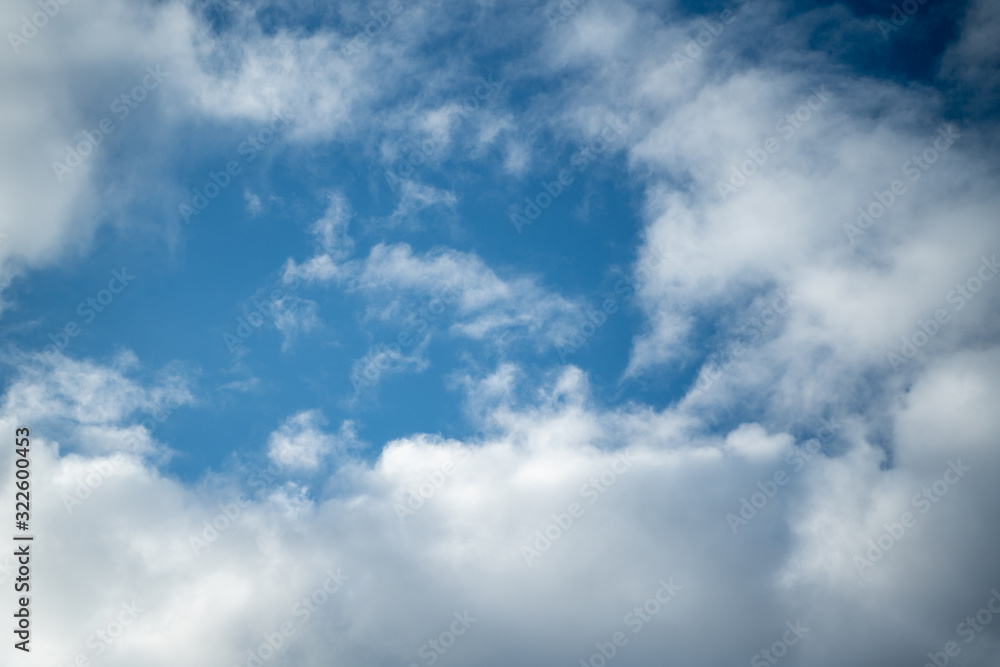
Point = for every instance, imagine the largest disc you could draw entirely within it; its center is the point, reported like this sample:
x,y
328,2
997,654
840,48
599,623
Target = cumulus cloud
x,y
437,526
301,442
764,180
97,408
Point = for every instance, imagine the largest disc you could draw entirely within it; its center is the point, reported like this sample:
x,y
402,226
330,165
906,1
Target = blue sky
x,y
252,260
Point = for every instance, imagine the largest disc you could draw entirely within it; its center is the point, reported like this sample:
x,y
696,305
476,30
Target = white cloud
x,y
413,290
784,228
254,207
331,231
415,197
973,59
97,408
301,443
659,512
486,304
294,316
383,360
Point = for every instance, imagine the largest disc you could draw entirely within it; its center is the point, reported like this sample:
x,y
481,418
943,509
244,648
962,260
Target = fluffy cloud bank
x,y
553,534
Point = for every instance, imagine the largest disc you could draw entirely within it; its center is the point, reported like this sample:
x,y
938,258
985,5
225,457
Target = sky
x,y
589,332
